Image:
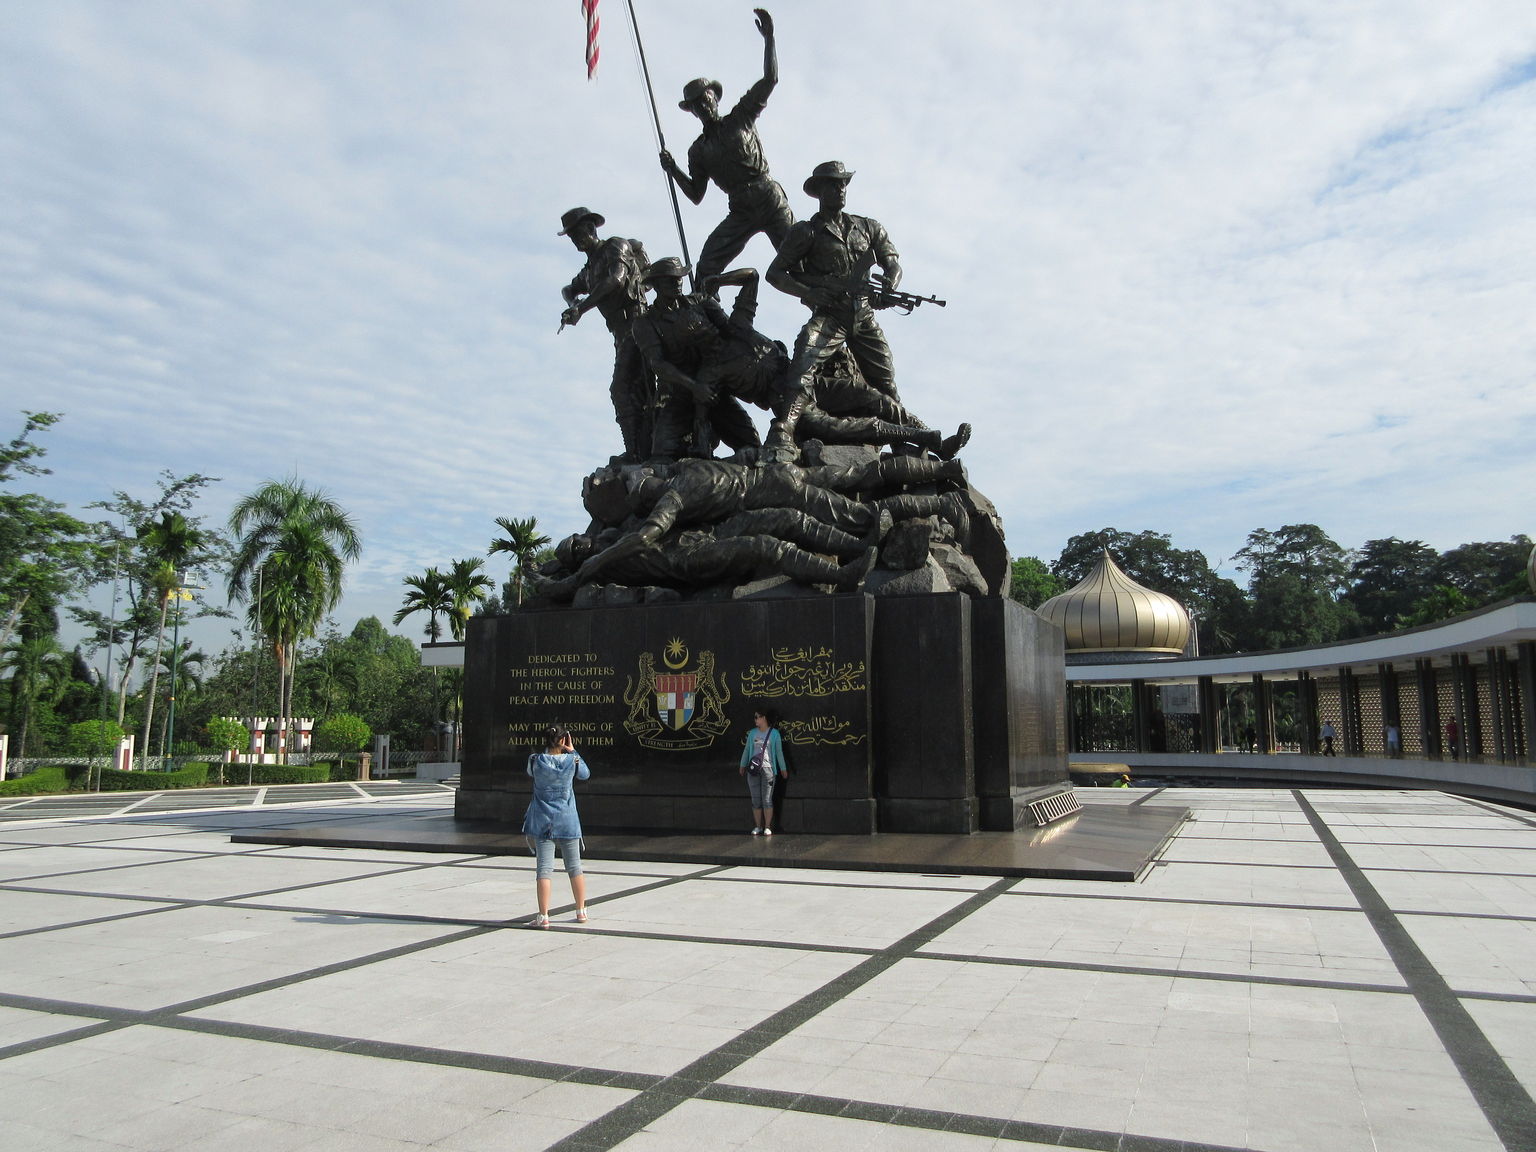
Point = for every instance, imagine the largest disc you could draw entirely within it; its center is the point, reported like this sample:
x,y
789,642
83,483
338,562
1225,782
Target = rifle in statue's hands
x,y
879,296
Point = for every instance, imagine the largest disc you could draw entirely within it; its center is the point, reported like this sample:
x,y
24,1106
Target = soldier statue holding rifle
x,y
825,262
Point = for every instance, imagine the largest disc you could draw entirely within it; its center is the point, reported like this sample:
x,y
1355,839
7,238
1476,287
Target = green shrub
x,y
48,778
285,774
343,732
187,776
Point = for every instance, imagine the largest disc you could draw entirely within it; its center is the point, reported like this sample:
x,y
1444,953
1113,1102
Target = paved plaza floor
x,y
1308,971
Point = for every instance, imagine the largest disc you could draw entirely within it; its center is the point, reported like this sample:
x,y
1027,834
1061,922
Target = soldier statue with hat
x,y
729,152
610,281
681,337
825,262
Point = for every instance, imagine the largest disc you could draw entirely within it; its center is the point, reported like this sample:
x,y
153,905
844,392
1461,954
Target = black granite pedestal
x,y
934,713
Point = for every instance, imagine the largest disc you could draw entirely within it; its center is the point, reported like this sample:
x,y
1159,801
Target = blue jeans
x,y
544,857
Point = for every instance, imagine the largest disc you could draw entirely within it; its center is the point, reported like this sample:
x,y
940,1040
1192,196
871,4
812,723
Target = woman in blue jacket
x,y
552,819
762,761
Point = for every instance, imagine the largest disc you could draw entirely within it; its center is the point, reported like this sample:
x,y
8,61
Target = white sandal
x,y
539,921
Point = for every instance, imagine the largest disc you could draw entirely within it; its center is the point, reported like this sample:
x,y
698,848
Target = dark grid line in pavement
x,y
242,900
933,1120
1504,1100
630,1117
215,998
1164,862
1498,810
116,1019
850,886
1426,871
1163,973
385,869
701,1079
1201,900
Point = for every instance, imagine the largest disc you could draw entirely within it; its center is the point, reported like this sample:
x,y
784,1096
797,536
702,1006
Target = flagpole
x,y
661,140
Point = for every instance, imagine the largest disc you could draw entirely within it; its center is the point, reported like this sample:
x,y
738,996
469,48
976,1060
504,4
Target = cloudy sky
x,y
1211,266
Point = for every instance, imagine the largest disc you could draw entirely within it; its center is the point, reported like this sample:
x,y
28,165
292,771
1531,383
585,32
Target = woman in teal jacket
x,y
552,819
762,761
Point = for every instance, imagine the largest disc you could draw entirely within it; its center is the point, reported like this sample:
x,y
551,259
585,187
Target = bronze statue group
x,y
817,502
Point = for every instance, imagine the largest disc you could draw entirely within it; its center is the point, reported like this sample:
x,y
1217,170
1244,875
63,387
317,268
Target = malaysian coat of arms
x,y
678,708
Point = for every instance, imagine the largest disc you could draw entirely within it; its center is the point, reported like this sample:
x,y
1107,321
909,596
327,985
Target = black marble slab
x,y
1102,842
933,714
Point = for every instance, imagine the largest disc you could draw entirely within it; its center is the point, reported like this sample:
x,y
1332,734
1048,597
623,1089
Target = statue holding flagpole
x,y
729,152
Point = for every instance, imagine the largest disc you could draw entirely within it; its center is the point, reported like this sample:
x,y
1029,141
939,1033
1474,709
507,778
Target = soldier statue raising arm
x,y
729,152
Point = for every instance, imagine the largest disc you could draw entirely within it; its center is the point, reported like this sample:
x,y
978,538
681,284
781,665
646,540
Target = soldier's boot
x,y
951,445
781,431
812,569
928,439
851,576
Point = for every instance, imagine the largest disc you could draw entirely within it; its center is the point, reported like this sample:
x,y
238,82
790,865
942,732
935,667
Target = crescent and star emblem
x,y
675,655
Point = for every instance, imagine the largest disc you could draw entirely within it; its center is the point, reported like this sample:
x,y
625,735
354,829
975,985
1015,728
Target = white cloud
x,y
1210,267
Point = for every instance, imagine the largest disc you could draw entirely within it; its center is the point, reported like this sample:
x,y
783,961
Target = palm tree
x,y
36,663
168,545
467,585
523,540
294,545
428,593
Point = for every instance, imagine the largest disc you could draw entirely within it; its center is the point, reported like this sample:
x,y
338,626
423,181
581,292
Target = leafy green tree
x,y
427,593
522,541
37,668
44,552
343,732
1440,603
1387,579
467,586
289,564
1485,572
92,738
1032,583
1297,575
127,559
227,735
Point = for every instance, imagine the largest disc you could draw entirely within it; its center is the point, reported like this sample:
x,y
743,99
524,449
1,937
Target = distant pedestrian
x,y
552,820
1394,741
1327,733
1250,739
1122,781
762,759
1453,738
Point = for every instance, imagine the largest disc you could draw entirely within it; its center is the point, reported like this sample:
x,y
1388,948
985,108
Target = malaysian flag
x,y
589,10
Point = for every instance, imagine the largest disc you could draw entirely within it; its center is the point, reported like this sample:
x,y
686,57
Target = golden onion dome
x,y
1110,612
